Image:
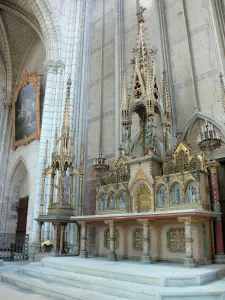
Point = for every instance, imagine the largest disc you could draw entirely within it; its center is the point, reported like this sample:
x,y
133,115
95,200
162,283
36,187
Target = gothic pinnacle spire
x,y
222,90
66,120
66,117
140,10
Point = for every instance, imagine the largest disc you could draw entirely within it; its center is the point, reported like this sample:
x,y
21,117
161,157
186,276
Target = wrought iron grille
x,y
14,246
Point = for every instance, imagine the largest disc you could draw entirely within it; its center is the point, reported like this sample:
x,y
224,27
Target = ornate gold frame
x,y
25,80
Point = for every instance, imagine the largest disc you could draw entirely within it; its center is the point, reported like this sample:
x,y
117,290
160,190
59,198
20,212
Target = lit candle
x,y
217,136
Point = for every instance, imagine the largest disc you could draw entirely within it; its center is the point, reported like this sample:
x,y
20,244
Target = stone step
x,y
105,285
59,291
53,290
11,292
156,275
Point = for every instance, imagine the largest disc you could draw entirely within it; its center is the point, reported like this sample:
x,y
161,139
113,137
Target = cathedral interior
x,y
112,121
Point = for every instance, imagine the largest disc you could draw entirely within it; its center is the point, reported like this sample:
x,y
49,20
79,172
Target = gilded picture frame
x,y
26,110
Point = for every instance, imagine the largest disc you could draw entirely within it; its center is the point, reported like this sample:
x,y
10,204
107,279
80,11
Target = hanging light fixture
x,y
208,139
100,166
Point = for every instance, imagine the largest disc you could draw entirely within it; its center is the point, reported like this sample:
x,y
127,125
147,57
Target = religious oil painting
x,y
26,110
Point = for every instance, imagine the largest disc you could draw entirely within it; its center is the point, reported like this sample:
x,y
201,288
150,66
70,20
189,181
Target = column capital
x,y
144,222
187,220
111,223
83,224
212,166
54,65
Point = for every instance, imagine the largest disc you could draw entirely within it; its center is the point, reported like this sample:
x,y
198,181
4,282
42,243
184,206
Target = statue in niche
x,y
192,193
112,201
150,134
66,185
123,200
162,196
177,196
102,203
168,141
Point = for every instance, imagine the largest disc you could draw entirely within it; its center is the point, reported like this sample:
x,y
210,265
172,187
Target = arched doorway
x,y
18,200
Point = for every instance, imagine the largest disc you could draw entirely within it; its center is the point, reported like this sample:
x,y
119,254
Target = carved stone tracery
x,y
175,239
107,238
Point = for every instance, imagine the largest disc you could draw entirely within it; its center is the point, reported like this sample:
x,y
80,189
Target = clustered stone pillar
x,y
83,241
112,241
189,260
146,258
219,246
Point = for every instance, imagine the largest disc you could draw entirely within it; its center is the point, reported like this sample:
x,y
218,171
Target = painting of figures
x,y
26,110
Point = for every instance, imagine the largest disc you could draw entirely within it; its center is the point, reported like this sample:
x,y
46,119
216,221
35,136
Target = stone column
x,y
146,258
83,240
55,237
46,134
189,260
218,231
40,229
62,231
112,245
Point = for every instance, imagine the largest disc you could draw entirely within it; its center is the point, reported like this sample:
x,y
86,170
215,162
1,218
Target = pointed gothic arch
x,y
18,187
201,116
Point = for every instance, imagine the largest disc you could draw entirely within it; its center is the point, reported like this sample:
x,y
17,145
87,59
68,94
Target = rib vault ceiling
x,y
19,29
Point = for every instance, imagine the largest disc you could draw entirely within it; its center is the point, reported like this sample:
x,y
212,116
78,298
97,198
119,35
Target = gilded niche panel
x,y
107,238
175,240
142,198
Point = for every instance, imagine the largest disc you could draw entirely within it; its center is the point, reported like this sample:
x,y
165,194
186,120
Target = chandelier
x,y
100,166
208,139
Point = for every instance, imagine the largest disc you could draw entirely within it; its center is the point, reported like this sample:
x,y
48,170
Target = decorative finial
x,y
222,90
140,10
153,52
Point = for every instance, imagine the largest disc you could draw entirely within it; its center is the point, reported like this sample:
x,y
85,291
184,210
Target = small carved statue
x,y
192,193
123,200
102,203
112,201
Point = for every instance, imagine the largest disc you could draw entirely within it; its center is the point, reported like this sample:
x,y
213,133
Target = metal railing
x,y
14,246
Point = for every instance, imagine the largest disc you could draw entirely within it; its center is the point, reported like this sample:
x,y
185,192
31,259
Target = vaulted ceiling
x,y
19,29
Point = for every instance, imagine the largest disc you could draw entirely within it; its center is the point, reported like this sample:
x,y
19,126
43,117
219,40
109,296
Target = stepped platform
x,y
92,279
